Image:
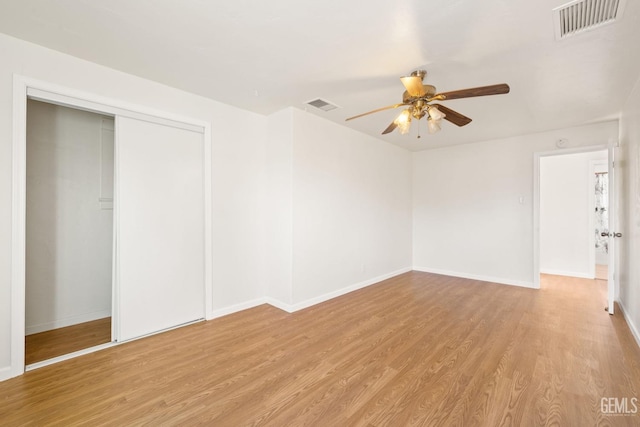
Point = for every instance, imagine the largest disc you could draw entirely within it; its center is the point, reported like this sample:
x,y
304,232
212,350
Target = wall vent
x,y
322,104
583,15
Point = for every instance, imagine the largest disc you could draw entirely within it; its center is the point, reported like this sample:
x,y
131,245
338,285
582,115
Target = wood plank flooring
x,y
602,271
418,349
57,342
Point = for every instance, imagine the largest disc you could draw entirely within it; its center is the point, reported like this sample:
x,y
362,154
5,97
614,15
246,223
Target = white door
x,y
159,214
613,224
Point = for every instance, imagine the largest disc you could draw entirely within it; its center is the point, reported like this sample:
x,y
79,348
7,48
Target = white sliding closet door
x,y
159,227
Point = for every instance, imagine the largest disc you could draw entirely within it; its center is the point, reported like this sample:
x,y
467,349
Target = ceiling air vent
x,y
583,15
322,104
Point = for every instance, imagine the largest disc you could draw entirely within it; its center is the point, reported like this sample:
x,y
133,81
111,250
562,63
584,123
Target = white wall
x,y
567,214
279,211
468,220
69,237
238,139
628,171
340,205
351,208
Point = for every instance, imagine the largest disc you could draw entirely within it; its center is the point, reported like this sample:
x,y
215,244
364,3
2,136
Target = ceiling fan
x,y
418,98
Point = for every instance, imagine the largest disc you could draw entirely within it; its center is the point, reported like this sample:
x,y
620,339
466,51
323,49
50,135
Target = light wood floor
x,y
602,271
418,349
49,344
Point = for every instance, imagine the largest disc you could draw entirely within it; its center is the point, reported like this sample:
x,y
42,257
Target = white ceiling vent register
x,y
322,104
583,15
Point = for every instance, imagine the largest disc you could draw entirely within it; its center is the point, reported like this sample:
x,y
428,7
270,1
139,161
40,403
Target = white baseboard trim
x,y
499,280
279,304
290,308
235,308
67,321
581,275
632,326
6,373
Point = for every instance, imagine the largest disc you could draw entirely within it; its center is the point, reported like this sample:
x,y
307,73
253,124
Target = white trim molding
x,y
5,373
490,279
236,308
67,321
291,308
632,327
579,274
18,226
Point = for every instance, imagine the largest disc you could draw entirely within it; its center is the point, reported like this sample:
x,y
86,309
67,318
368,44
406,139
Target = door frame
x,y
536,203
614,198
28,88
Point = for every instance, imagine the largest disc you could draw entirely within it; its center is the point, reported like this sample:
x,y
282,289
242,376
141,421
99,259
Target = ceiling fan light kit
x,y
433,126
403,121
418,97
434,113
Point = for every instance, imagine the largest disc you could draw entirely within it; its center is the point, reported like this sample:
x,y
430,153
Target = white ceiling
x,y
264,56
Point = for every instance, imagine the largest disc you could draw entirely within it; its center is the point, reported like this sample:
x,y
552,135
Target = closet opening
x,y
69,230
111,223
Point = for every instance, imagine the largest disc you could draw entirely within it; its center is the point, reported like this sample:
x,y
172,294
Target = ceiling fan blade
x,y
414,86
390,107
453,116
390,128
475,91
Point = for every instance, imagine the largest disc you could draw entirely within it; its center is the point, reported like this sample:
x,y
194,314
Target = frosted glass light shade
x,y
403,121
435,114
433,125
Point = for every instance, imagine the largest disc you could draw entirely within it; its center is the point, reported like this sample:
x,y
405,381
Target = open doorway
x,y
69,230
573,214
568,225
